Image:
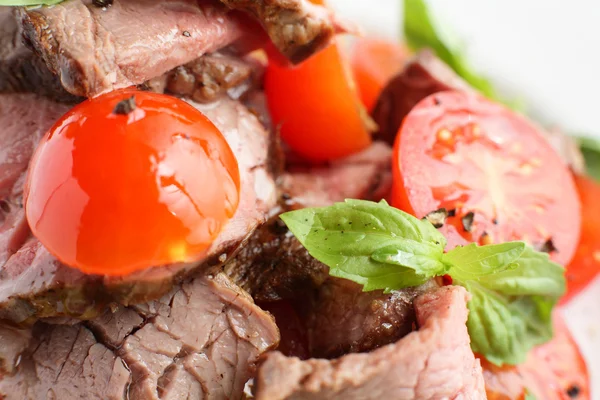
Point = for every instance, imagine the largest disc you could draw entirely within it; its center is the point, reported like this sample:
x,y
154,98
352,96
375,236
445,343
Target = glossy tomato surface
x,y
553,371
491,168
374,62
316,108
112,192
586,262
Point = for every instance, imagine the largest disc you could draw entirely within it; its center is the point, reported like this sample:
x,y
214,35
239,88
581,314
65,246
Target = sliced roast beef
x,y
95,50
344,319
297,27
435,362
24,118
201,340
366,175
20,69
273,265
33,284
209,77
425,75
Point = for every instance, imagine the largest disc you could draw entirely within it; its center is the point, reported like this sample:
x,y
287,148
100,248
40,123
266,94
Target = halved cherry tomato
x,y
553,371
586,262
316,107
374,62
112,189
491,168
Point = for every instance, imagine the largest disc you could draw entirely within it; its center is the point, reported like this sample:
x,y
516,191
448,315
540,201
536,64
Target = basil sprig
x,y
513,287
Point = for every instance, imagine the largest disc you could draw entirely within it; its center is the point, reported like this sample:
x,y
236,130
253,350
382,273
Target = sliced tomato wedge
x,y
586,262
491,169
316,107
553,371
374,62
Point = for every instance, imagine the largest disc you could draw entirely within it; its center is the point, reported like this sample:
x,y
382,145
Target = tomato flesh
x,y
112,194
316,108
492,168
553,371
586,262
374,62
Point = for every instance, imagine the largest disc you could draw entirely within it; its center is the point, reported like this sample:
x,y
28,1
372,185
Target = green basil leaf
x,y
357,238
504,329
473,261
511,310
590,148
420,32
21,3
535,274
423,258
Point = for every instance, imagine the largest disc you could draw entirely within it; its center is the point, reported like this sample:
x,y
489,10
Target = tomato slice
x,y
553,371
586,262
316,107
374,62
131,180
491,168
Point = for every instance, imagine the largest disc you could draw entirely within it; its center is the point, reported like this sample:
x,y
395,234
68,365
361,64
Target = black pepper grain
x,y
548,246
467,221
102,3
573,391
437,218
124,107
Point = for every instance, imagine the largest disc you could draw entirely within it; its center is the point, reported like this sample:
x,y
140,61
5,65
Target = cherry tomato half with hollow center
x,y
316,107
374,62
553,371
131,180
491,169
586,261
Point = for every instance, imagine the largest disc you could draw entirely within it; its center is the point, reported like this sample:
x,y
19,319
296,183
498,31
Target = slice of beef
x,y
20,69
297,27
96,50
33,284
24,119
201,340
13,342
435,362
66,362
425,75
273,265
211,76
366,175
344,319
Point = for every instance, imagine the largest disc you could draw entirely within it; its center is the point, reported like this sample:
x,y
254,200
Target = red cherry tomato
x,y
113,193
316,107
586,262
492,168
553,371
374,62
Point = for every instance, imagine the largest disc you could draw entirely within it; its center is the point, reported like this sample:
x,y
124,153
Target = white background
x,y
546,51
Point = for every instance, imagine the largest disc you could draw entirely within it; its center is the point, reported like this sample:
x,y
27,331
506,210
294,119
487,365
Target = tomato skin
x,y
374,62
316,107
551,370
113,194
465,153
586,261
